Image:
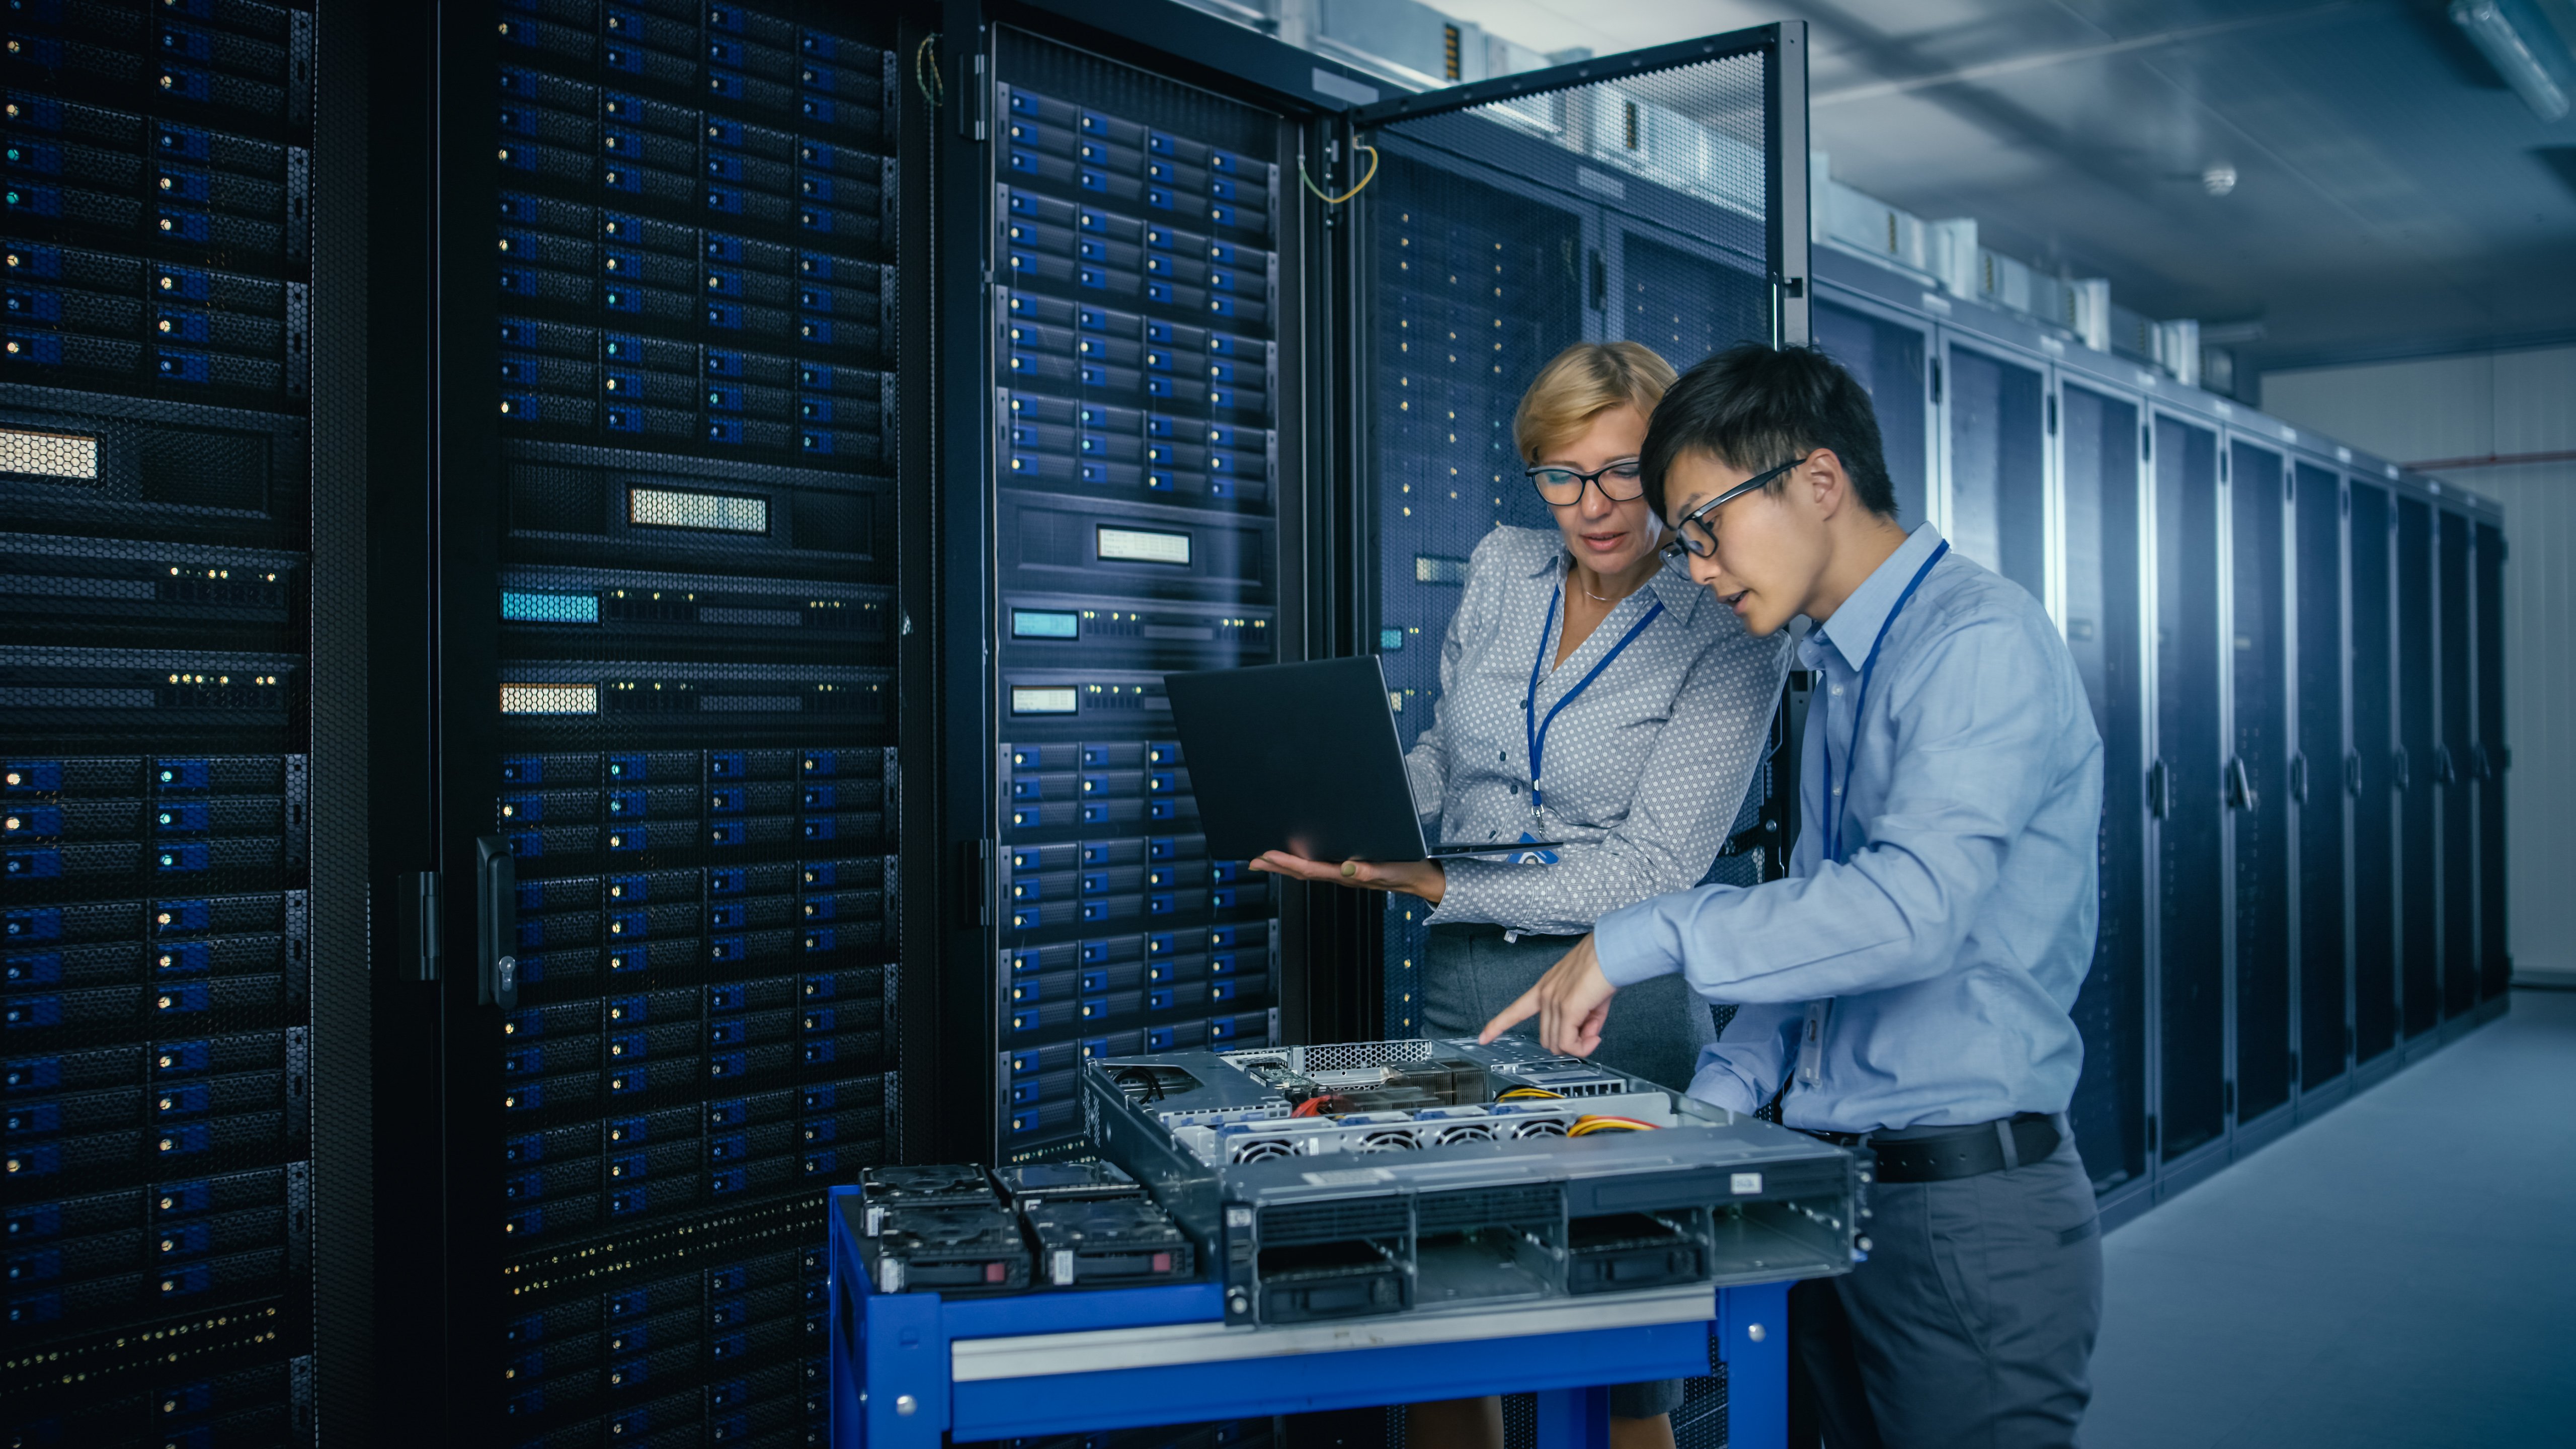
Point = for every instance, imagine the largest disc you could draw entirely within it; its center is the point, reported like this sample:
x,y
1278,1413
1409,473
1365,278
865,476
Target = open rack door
x,y
1658,196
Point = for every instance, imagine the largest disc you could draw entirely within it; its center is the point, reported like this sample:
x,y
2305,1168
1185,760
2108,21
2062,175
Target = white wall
x,y
2477,406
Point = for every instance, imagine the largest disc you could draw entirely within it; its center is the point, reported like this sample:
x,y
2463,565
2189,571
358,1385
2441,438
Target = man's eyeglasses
x,y
1563,487
1697,531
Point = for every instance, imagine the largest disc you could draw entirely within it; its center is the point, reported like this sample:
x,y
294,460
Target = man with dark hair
x,y
1907,987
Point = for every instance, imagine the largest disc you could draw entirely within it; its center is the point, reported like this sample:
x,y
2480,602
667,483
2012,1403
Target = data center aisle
x,y
2398,1273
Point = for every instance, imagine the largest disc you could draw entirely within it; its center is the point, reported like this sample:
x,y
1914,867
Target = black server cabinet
x,y
1524,217
667,538
1997,503
2488,759
1890,360
2373,771
2103,456
2419,835
156,962
2316,780
2259,785
2185,790
1145,409
2454,763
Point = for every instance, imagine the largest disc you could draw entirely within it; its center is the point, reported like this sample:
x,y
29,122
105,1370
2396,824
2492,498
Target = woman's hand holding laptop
x,y
1424,878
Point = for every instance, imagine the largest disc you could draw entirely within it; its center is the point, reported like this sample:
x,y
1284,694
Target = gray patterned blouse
x,y
1644,771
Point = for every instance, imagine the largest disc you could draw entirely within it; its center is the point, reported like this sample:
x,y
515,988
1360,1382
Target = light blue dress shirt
x,y
1923,979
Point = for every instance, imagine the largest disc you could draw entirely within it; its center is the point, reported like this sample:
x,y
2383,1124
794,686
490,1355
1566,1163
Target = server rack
x,y
2373,772
1995,499
2185,792
2418,821
669,426
2102,453
2489,758
2259,784
2318,502
156,991
2454,763
1890,356
1147,475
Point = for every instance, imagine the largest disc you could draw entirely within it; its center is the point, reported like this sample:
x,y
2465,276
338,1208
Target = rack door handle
x,y
2481,768
2404,771
496,923
2299,779
2240,786
2157,790
2445,772
2352,774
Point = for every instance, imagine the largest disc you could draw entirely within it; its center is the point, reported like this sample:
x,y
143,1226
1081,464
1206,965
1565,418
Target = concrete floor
x,y
2400,1272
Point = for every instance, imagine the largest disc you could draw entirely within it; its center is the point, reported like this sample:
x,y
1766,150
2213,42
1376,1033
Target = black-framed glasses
x,y
1695,533
1563,487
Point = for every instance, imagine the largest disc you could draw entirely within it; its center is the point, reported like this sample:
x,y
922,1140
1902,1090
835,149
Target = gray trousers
x,y
1655,1031
1970,1327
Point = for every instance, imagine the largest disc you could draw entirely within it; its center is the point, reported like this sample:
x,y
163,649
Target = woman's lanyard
x,y
1869,666
1535,727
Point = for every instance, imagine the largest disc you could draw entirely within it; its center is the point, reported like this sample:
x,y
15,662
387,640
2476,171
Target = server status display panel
x,y
696,239
1137,403
154,711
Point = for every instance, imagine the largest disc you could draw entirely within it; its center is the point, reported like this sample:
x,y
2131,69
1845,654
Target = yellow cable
x,y
933,89
1347,195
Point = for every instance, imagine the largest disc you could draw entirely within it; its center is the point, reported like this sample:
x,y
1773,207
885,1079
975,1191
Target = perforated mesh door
x,y
2102,632
1494,238
1998,504
2324,995
1144,270
2419,831
696,403
2495,957
2260,813
154,725
2452,770
2189,747
2371,775
1888,360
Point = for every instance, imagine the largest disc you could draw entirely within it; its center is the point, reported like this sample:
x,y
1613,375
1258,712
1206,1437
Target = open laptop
x,y
1304,758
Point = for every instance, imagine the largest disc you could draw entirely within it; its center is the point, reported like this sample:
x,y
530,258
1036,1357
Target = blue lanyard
x,y
1535,727
1833,807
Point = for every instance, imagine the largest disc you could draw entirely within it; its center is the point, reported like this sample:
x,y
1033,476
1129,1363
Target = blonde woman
x,y
1591,696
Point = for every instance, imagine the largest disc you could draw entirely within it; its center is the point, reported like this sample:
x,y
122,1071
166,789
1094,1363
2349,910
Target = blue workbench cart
x,y
909,1367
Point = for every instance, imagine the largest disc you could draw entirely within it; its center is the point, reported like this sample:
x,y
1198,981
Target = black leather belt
x,y
1960,1151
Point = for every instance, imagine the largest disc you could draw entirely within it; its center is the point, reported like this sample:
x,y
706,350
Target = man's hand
x,y
1571,1002
1424,878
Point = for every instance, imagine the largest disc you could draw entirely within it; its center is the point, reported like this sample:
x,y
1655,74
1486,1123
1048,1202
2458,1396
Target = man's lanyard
x,y
1535,727
1869,666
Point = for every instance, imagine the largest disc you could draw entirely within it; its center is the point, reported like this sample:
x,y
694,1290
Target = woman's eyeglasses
x,y
1563,487
1697,531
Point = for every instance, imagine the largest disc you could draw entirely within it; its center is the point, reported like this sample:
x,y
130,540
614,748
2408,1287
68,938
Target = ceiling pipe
x,y
2522,45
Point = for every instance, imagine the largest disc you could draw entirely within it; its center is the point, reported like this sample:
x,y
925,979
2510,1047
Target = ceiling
x,y
2393,198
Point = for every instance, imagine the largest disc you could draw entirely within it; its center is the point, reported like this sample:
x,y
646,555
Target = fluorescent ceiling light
x,y
2521,43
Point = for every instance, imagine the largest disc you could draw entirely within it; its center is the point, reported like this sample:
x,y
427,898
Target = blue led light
x,y
521,607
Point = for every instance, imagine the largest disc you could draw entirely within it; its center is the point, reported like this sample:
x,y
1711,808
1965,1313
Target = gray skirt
x,y
1655,1031
1469,973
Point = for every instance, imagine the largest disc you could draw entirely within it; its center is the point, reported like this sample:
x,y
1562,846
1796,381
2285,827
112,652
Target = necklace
x,y
1572,573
